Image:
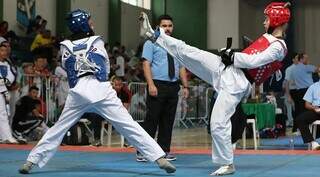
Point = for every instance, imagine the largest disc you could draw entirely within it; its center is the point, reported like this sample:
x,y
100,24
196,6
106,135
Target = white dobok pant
x,y
5,130
110,109
209,68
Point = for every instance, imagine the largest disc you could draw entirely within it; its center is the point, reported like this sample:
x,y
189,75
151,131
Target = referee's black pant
x,y
161,111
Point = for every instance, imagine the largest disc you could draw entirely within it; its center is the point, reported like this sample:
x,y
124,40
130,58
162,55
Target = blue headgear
x,y
77,21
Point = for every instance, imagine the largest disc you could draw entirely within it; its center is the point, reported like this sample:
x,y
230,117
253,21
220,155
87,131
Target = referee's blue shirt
x,y
313,94
157,57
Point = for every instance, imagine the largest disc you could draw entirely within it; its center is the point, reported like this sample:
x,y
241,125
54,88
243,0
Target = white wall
x,y
130,26
45,8
9,14
223,22
99,10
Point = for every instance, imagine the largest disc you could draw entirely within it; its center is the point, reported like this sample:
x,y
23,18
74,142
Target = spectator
x,y
122,91
28,116
123,94
4,28
43,25
34,25
95,125
132,75
302,76
107,46
43,45
8,35
27,78
6,78
290,89
40,71
116,47
120,62
62,86
312,104
138,106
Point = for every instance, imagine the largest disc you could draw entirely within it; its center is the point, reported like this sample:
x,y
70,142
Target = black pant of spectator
x,y
161,111
297,96
238,121
95,125
303,122
24,127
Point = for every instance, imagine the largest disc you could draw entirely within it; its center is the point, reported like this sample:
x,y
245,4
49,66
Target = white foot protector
x,y
145,27
224,170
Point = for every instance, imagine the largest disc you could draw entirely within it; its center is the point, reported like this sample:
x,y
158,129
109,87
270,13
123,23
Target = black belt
x,y
85,74
160,82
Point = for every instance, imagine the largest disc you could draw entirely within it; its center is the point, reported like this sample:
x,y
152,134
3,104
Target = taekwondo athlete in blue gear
x,y
87,65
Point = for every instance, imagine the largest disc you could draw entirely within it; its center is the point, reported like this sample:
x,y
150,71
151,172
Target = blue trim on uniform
x,y
79,47
71,72
3,71
99,60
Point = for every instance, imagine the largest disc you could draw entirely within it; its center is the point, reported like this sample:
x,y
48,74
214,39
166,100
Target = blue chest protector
x,y
3,71
82,61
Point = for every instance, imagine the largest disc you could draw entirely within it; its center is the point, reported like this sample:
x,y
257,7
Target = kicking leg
x,y
205,65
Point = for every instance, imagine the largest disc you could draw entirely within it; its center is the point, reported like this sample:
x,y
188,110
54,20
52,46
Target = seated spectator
x,y
62,85
28,116
42,39
43,45
40,66
27,78
312,104
34,25
41,72
122,91
123,94
8,35
138,104
43,25
4,28
121,63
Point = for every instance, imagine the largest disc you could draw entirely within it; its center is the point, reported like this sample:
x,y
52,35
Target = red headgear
x,y
278,13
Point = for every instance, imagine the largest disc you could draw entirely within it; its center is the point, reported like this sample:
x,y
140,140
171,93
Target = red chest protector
x,y
261,74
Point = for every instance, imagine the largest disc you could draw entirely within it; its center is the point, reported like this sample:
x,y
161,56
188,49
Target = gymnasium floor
x,y
192,147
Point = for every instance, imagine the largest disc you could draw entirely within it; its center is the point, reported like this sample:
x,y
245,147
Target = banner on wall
x,y
26,10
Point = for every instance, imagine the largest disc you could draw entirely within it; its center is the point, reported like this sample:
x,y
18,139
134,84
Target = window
x,y
140,3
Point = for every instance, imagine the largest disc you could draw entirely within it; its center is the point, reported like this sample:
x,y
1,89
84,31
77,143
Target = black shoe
x,y
96,143
141,158
19,137
170,157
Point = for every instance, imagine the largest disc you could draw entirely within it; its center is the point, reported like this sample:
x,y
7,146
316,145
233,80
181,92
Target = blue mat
x,y
89,164
283,143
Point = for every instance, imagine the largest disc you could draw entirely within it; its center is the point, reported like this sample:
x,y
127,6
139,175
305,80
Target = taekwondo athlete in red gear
x,y
226,74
